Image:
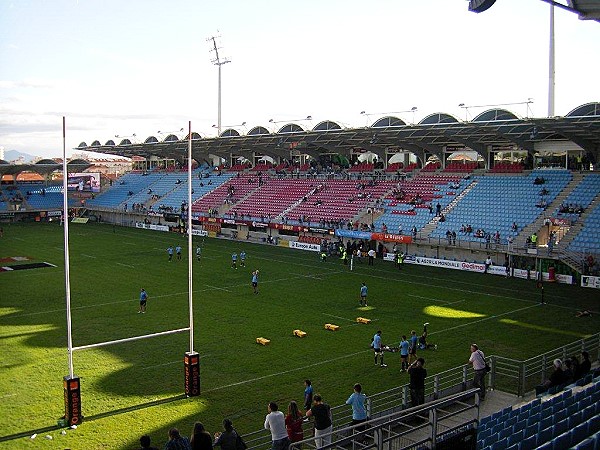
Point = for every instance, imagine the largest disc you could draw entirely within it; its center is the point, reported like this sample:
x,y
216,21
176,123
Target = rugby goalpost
x,y
71,382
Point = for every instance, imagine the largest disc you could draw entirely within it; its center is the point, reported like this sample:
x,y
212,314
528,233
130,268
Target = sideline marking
x,y
88,256
125,265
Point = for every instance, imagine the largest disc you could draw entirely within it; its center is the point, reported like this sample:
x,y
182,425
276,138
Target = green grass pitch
x,y
136,387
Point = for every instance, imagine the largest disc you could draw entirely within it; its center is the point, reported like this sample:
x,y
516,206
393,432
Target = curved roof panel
x,y
96,144
110,142
436,118
492,115
588,109
151,140
327,125
389,121
171,138
229,132
125,142
3,162
258,130
82,145
46,162
290,128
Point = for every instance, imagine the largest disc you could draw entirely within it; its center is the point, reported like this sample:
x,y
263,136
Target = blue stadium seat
x,y
562,441
594,424
484,434
579,433
515,438
545,446
530,431
529,443
560,427
545,435
499,445
587,444
505,433
519,426
559,415
545,423
588,413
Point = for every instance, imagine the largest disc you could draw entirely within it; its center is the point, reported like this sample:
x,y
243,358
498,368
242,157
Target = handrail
x,y
508,375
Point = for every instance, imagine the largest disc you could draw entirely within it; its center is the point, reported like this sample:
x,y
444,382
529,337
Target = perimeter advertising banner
x,y
305,246
387,237
590,282
84,182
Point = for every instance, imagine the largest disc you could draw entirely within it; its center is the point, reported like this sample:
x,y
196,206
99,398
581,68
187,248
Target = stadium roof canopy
x,y
492,129
587,9
44,167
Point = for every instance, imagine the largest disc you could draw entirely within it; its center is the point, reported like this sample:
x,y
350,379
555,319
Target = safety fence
x,y
507,375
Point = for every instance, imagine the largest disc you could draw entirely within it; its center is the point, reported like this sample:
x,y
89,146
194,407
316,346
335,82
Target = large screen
x,y
84,182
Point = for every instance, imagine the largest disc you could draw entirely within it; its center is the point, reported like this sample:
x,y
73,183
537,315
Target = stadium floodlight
x,y
218,61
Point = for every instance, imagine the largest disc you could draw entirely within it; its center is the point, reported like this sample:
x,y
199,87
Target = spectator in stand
x,y
275,423
145,443
227,438
568,371
323,425
479,366
586,364
359,412
201,439
293,422
438,210
417,376
557,378
177,441
514,227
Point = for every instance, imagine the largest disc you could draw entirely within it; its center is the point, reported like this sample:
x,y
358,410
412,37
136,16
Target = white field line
x,y
218,288
126,265
88,256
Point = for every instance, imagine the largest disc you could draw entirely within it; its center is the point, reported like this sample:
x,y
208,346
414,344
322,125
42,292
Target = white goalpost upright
x,y
71,382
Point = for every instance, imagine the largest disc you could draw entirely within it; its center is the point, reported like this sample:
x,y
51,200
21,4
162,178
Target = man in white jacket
x,y
275,423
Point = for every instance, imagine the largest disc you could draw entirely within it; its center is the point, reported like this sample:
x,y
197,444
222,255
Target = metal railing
x,y
507,375
411,428
520,377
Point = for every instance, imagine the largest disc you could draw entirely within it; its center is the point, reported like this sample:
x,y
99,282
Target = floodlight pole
x,y
71,386
551,65
217,61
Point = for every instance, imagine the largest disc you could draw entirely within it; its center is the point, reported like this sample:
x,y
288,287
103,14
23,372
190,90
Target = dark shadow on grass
x,y
103,415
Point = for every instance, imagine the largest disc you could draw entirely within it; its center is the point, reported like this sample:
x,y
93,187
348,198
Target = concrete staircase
x,y
432,224
535,226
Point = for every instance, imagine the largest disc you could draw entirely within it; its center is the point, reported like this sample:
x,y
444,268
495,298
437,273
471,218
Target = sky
x,y
125,67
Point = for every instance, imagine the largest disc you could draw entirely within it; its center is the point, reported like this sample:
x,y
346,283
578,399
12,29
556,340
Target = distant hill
x,y
11,155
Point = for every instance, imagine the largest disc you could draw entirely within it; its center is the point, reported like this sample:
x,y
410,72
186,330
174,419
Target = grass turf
x,y
136,388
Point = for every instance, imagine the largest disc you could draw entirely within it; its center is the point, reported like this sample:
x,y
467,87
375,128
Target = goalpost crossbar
x,y
130,339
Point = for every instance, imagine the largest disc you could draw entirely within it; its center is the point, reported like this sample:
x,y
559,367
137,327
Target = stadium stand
x,y
580,198
494,203
570,419
339,199
401,210
588,239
